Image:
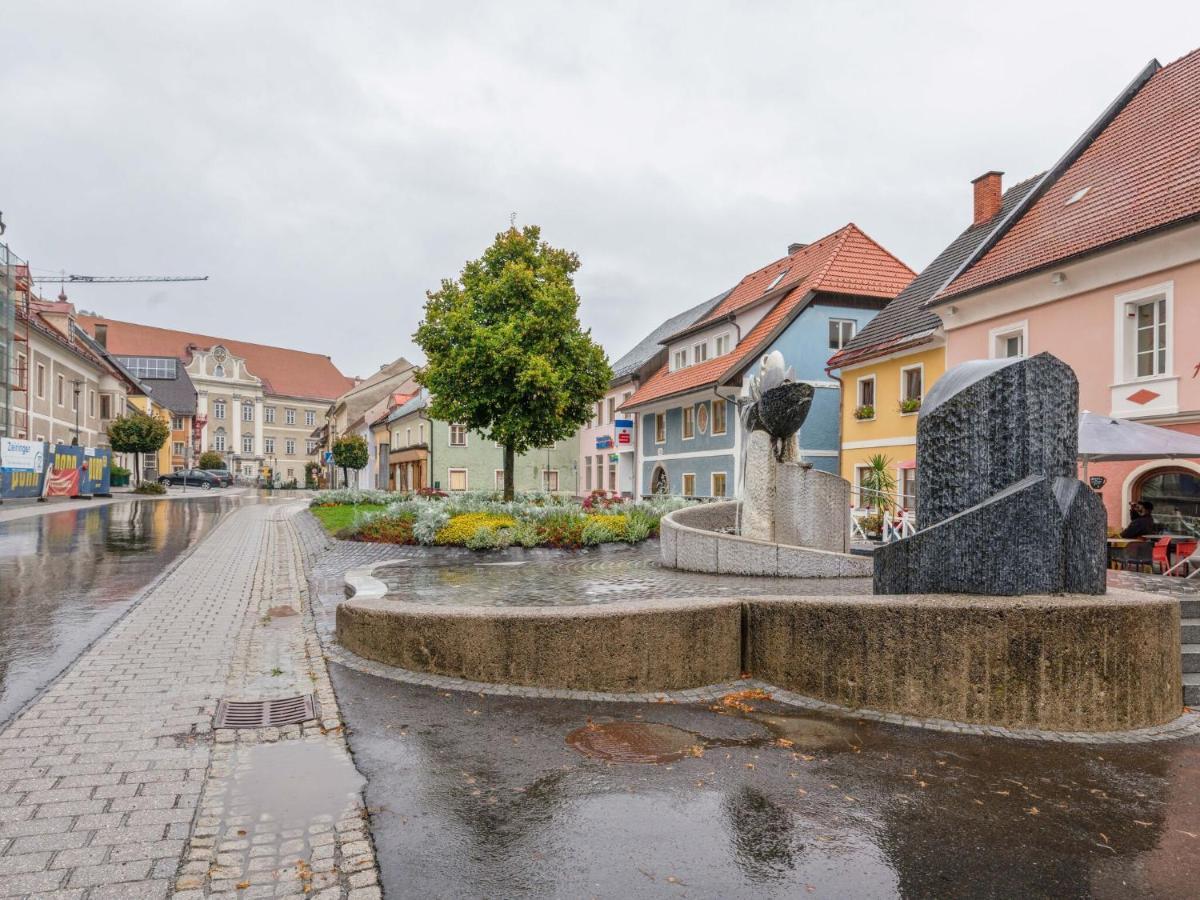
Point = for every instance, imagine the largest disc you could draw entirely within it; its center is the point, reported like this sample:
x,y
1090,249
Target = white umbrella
x,y
1105,439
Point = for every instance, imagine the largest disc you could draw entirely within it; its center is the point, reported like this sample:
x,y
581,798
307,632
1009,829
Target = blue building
x,y
805,305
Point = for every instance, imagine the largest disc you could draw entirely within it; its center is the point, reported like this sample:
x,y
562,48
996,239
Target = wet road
x,y
65,577
480,796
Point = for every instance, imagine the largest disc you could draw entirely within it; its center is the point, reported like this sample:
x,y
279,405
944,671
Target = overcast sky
x,y
325,168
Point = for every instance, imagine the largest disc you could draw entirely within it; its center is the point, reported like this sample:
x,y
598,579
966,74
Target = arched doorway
x,y
659,483
1175,493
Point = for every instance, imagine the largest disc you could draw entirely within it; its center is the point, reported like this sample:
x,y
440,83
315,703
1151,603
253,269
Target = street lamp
x,y
76,389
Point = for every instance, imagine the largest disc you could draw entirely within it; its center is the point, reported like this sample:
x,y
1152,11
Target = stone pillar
x,y
758,491
235,408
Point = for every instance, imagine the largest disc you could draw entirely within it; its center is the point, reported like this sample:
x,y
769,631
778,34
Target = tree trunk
x,y
345,478
137,468
509,461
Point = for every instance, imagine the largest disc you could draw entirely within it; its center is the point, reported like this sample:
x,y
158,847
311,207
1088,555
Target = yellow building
x,y
154,465
886,368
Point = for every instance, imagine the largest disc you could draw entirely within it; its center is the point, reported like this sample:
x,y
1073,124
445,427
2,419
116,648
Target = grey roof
x,y
907,316
417,403
651,345
177,394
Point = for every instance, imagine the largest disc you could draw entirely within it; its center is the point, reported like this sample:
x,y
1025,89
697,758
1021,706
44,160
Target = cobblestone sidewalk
x,y
102,777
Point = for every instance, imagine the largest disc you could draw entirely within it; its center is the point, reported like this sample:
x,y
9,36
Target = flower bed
x,y
485,522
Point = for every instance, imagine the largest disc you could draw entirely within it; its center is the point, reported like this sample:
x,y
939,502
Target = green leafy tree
x,y
350,452
878,484
138,433
506,355
210,459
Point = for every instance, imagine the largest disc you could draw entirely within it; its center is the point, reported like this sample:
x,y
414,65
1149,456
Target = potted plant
x,y
910,404
877,486
865,411
119,476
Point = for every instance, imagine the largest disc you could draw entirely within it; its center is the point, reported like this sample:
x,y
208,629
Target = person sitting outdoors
x,y
1141,520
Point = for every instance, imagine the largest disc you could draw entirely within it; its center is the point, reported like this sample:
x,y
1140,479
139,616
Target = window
x,y
421,433
458,435
612,477
247,412
680,359
689,484
310,446
289,446
22,370
612,408
269,415
41,383
700,352
149,366
408,436
550,480
718,417
59,390
600,473
74,396
840,332
660,428
721,345
268,445
866,398
92,404
688,428
219,440
219,410
912,383
1008,341
457,479
599,414
105,406
310,417
908,488
499,479
247,443
289,417
702,417
219,372
718,484
587,473
778,278
177,423
1151,337
177,448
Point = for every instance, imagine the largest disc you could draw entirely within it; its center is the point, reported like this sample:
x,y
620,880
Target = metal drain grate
x,y
266,713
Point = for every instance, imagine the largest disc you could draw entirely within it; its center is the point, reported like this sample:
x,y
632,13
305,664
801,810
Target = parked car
x,y
201,478
222,475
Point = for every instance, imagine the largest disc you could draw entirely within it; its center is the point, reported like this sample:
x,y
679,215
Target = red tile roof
x,y
1141,173
845,262
288,373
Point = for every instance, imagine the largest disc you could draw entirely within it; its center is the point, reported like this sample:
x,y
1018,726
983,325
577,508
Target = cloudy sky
x,y
325,168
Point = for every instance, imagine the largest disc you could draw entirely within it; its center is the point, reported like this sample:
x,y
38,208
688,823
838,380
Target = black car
x,y
224,476
192,478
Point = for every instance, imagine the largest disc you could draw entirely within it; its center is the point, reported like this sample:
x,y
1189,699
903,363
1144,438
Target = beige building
x,y
256,405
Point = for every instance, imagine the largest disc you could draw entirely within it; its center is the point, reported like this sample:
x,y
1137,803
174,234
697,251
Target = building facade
x,y
256,405
1100,265
805,305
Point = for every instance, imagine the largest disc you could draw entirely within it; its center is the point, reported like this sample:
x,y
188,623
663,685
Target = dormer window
x,y
681,359
721,345
700,352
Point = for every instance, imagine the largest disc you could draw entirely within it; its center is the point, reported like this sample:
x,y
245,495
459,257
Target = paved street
x,y
113,781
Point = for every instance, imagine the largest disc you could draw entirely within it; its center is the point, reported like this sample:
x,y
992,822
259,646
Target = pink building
x,y
1100,265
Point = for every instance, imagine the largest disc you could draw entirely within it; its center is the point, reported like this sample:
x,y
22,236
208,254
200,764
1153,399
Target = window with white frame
x,y
722,344
268,445
550,480
688,428
599,420
866,398
247,443
612,408
840,332
310,417
718,484
1150,337
458,435
60,390
660,428
177,448
289,446
612,477
219,440
587,473
421,433
912,386
499,479
219,409
456,479
689,484
289,417
92,406
269,415
700,352
681,359
908,488
407,436
177,423
41,383
718,416
310,446
1009,341
247,412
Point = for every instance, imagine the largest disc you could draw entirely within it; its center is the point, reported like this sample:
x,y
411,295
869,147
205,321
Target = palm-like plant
x,y
878,484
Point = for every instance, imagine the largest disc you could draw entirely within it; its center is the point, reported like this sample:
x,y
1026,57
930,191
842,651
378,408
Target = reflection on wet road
x,y
66,576
486,796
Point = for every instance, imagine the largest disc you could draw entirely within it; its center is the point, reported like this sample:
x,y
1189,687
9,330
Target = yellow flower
x,y
462,527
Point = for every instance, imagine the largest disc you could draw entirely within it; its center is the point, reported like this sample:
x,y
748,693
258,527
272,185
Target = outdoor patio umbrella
x,y
1105,439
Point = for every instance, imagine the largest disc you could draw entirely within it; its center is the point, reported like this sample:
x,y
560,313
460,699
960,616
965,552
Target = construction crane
x,y
113,279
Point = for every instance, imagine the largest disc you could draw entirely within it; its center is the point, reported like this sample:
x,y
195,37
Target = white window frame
x,y
853,323
310,446
219,440
268,445
466,479
679,359
687,414
700,352
92,405
247,411
289,447
1003,333
310,417
219,410
247,443
269,415
712,418
450,435
1125,339
499,479
712,484
683,491
858,395
587,474
921,368
289,416
60,391
41,382
724,338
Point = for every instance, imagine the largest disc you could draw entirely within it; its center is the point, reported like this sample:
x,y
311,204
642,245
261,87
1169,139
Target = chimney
x,y
102,335
988,196
792,248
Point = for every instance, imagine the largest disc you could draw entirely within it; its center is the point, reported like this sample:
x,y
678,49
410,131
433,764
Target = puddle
x,y
291,784
634,742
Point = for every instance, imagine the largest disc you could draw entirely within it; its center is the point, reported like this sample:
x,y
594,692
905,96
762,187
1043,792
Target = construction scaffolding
x,y
14,343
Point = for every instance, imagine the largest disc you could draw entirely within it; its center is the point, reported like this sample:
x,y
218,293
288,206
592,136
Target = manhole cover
x,y
635,742
266,713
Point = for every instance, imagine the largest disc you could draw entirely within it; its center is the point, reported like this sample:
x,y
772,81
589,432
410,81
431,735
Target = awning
x,y
1103,438
907,464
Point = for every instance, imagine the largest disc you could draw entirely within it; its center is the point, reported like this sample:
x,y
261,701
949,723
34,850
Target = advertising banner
x,y
64,472
603,442
21,468
624,432
97,472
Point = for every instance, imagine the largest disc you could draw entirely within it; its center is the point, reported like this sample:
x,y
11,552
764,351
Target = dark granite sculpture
x,y
998,504
778,405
